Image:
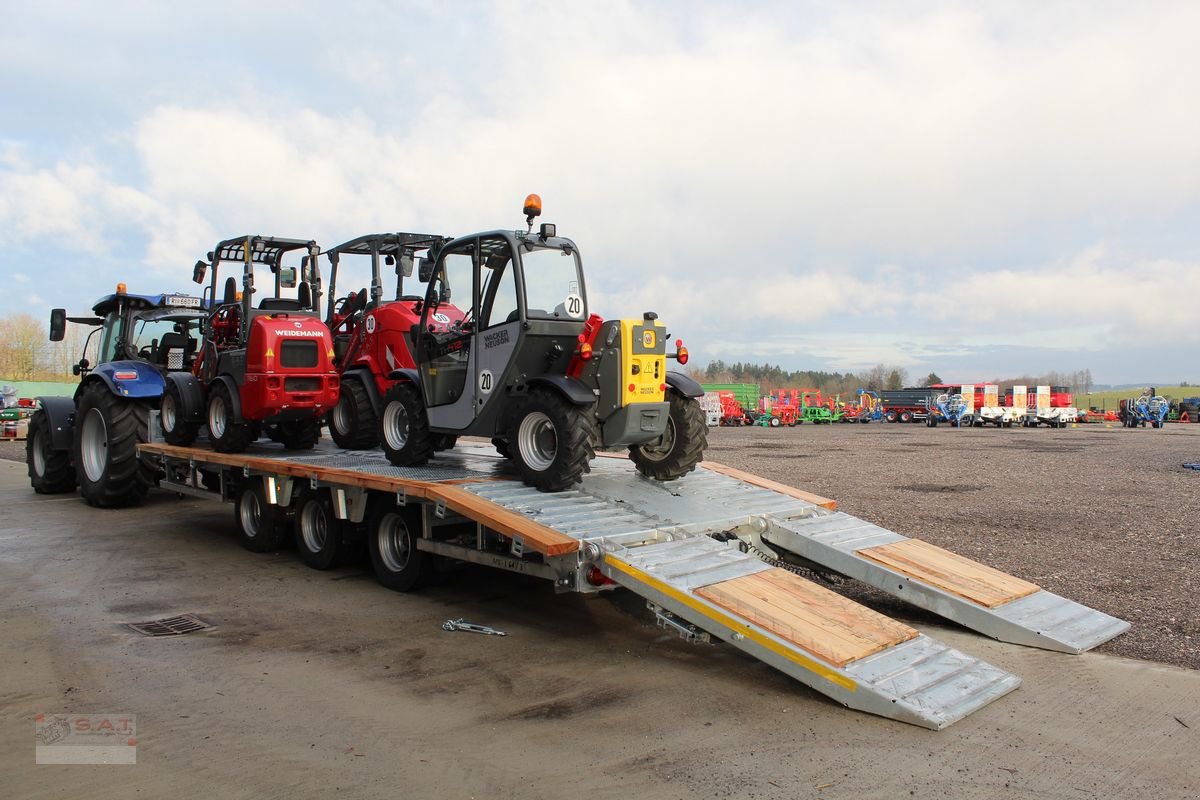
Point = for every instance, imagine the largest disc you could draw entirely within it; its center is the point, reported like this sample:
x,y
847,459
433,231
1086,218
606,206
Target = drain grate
x,y
171,626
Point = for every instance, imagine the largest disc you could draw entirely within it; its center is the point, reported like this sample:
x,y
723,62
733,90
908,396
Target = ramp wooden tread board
x,y
950,572
822,622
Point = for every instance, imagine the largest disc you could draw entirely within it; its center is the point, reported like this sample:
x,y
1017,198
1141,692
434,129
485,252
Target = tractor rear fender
x,y
684,385
132,379
192,394
60,412
363,375
573,389
406,375
234,394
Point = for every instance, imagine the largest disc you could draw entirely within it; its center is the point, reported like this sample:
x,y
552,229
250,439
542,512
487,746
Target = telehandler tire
x,y
680,448
551,440
404,427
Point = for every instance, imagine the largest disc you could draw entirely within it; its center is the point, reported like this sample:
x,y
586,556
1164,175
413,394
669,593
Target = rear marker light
x,y
633,387
125,376
597,578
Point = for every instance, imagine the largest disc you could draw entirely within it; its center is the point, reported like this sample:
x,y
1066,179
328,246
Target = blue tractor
x,y
91,439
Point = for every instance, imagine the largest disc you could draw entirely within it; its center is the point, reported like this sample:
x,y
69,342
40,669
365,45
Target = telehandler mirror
x,y
424,270
198,272
58,324
404,266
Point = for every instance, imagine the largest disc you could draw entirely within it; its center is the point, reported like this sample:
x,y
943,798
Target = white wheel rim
x,y
168,413
537,441
393,542
250,514
661,447
395,425
39,457
218,419
93,441
340,417
314,526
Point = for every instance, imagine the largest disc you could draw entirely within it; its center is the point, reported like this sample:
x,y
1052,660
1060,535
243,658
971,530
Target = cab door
x,y
445,340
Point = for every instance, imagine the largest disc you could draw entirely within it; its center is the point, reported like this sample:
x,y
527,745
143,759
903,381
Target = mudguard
x,y
684,385
192,394
572,389
233,394
60,411
405,374
364,376
146,381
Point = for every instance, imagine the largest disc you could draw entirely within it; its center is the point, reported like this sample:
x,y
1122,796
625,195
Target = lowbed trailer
x,y
715,555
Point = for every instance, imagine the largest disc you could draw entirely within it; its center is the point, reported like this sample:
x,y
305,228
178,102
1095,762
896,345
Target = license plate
x,y
184,302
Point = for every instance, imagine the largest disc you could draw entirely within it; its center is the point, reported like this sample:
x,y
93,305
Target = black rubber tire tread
x,y
444,441
574,428
126,478
58,476
502,447
691,439
418,449
185,430
238,435
272,520
300,434
330,553
418,568
364,422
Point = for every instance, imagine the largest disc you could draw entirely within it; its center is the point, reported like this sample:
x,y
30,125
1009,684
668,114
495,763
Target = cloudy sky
x,y
978,189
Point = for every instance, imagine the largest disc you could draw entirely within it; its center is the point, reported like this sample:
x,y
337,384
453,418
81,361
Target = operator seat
x,y
173,351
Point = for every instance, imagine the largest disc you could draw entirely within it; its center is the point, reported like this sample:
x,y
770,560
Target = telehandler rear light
x,y
633,387
682,355
585,351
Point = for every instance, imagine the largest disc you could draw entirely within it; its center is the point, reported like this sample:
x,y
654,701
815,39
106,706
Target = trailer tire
x,y
551,440
260,525
404,427
890,416
318,531
50,470
681,446
107,432
299,434
353,423
226,435
392,541
176,430
906,416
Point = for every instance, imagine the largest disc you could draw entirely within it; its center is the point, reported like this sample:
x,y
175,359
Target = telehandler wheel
x,y
392,535
226,435
50,470
318,530
353,424
502,447
107,432
444,441
404,427
299,434
680,448
261,526
551,440
176,430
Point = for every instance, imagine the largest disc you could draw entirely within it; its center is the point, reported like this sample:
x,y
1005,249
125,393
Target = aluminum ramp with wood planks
x,y
972,594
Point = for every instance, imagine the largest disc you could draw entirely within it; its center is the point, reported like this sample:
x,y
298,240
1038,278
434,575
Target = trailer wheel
x,y
392,539
108,430
226,435
353,424
906,416
260,525
890,416
680,448
552,440
176,429
404,427
300,434
318,530
50,470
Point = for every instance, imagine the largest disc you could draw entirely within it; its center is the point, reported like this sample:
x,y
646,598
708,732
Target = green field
x,y
1110,399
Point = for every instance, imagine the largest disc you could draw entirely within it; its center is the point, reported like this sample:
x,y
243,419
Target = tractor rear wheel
x,y
299,434
176,428
50,470
680,448
318,531
108,430
226,435
392,540
404,427
261,527
551,440
353,424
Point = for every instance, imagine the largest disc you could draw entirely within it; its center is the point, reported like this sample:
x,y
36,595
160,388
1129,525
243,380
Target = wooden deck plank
x,y
822,622
950,572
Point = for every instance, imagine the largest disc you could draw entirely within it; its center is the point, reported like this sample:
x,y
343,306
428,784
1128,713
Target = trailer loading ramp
x,y
657,539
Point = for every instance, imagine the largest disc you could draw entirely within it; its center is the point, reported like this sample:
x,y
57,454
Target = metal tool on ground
x,y
471,627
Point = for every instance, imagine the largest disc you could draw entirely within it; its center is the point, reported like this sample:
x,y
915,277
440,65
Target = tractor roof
x,y
145,301
387,244
263,249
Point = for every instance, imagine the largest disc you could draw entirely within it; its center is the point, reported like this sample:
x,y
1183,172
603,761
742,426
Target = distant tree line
x,y
27,354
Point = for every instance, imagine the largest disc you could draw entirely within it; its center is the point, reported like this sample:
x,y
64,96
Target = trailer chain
x,y
832,578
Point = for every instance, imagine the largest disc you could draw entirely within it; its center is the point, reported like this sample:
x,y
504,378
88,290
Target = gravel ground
x,y
1104,516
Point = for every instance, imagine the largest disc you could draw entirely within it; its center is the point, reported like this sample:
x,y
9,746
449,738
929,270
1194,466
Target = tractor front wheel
x,y
226,435
404,427
551,440
50,470
177,429
680,448
108,430
353,424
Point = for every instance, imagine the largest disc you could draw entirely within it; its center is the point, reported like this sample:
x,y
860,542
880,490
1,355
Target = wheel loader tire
x,y
318,531
50,470
392,534
444,441
226,435
404,427
176,430
502,447
108,430
300,434
261,526
551,440
680,448
353,423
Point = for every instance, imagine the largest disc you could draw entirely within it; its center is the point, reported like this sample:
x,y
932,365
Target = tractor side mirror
x,y
198,272
58,324
404,266
424,270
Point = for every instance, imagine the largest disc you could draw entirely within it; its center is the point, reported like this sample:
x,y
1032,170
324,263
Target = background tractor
x,y
529,367
265,368
91,439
